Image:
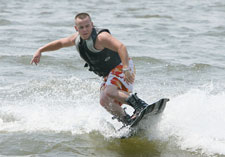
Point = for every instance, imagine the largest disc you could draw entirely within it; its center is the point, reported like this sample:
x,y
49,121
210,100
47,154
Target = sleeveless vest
x,y
101,62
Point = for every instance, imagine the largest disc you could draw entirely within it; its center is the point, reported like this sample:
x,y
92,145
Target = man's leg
x,y
110,99
115,91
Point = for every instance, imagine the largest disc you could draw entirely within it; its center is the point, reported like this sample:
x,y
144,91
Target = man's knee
x,y
103,101
110,92
106,96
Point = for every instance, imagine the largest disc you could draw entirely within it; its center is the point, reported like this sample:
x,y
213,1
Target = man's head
x,y
83,25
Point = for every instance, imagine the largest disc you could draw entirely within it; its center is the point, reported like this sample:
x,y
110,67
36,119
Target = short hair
x,y
82,16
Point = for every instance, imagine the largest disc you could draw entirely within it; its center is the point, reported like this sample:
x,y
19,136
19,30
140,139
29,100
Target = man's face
x,y
84,27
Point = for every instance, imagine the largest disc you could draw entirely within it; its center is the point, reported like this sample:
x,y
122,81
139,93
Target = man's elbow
x,y
122,48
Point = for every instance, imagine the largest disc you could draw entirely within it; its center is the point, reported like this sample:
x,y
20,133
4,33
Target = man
x,y
108,58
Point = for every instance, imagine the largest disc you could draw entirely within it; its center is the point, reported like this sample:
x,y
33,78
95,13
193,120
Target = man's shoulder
x,y
73,37
100,30
103,35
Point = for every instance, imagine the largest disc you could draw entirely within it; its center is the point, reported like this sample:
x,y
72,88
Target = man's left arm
x,y
106,40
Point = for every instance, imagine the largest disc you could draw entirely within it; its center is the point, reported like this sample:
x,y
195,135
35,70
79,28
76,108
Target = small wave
x,y
6,118
193,122
45,60
5,22
200,66
149,60
22,59
58,105
170,66
174,65
70,105
153,16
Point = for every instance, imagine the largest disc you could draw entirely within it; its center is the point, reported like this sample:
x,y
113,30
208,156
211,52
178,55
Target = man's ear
x,y
76,28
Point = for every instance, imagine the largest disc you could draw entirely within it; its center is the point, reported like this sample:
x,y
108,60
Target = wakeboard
x,y
152,109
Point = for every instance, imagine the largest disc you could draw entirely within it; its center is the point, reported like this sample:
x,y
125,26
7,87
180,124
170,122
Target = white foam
x,y
194,121
70,105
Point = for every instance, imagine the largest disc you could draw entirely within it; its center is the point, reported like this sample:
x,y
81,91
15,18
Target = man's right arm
x,y
54,45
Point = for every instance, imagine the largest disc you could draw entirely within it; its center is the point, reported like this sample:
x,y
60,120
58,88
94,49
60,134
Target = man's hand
x,y
36,57
129,76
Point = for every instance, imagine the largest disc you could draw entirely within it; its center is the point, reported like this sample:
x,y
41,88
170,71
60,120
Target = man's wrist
x,y
125,69
40,50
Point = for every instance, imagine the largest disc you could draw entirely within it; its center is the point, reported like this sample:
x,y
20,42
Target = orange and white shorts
x,y
116,77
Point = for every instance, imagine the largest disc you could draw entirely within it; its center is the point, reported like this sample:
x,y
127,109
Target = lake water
x,y
53,109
